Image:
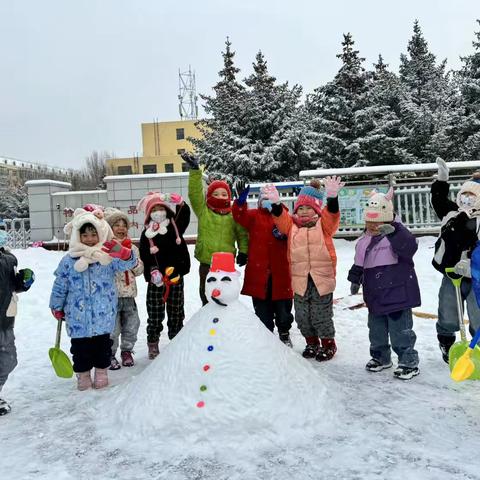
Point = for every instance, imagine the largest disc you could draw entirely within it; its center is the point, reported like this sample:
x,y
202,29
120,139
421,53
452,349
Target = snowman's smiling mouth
x,y
218,302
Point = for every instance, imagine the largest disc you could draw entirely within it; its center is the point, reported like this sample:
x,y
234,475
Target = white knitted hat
x,y
379,207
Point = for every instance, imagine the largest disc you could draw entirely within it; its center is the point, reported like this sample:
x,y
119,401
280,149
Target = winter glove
x,y
243,195
354,288
173,198
242,259
190,160
386,229
463,268
270,193
58,314
27,277
156,277
332,186
115,250
442,174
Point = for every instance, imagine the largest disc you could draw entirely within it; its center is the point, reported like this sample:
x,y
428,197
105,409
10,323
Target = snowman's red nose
x,y
216,293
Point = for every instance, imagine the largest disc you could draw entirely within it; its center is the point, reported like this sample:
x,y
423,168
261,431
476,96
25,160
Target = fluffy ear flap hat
x,y
113,215
379,207
87,255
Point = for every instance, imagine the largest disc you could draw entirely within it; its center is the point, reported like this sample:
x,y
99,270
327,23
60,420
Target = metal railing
x,y
18,232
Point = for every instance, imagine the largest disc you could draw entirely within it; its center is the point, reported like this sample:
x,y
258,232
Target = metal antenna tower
x,y
187,98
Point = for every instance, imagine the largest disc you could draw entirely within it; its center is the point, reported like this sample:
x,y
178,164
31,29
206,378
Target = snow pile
x,y
224,381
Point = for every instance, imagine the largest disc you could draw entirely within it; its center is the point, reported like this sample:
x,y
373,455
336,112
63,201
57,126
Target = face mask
x,y
159,216
3,238
467,201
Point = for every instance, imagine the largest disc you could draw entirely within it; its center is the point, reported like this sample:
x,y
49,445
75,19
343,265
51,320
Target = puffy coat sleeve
x,y
119,265
241,236
355,274
196,193
440,201
138,268
146,256
182,217
242,215
60,287
403,243
330,221
283,221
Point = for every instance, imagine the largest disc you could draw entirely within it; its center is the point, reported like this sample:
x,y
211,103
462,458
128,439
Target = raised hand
x,y
116,250
332,186
190,160
443,172
242,192
386,229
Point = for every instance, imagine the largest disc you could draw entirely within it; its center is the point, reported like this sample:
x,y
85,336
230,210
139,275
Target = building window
x,y
180,151
169,168
185,167
180,133
125,170
149,169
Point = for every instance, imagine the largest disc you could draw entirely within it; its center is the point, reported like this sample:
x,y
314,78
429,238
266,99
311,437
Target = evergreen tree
x,y
378,126
261,140
427,93
466,131
14,202
332,109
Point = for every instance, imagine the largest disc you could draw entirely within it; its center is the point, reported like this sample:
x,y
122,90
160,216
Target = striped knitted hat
x,y
310,196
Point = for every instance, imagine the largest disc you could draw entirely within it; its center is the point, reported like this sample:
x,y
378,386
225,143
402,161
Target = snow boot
x,y
374,365
84,381
127,359
153,350
327,350
405,373
100,378
114,364
285,338
445,342
4,407
312,347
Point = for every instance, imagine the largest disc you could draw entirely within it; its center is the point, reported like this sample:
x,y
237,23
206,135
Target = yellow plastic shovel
x,y
464,367
60,361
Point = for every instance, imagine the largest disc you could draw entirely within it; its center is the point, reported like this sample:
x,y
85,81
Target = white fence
x,y
18,232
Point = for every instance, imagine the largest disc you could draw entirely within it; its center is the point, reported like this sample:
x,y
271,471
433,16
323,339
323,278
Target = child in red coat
x,y
267,274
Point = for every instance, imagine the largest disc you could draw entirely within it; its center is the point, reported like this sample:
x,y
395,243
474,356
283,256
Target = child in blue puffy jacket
x,y
84,293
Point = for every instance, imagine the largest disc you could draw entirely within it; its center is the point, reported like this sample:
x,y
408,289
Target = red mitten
x,y
115,250
58,314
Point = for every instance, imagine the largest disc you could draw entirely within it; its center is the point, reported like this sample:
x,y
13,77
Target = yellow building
x,y
163,142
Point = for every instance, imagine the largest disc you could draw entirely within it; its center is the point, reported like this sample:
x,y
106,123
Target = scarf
x,y
87,255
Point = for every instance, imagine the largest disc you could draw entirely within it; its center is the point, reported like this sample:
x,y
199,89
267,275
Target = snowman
x,y
223,377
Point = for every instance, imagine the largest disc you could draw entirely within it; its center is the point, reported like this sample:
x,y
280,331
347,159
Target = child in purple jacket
x,y
384,265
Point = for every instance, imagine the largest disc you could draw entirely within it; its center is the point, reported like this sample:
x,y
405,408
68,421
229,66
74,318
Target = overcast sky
x,y
82,75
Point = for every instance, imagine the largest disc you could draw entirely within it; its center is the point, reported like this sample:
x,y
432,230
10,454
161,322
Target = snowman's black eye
x,y
226,279
211,279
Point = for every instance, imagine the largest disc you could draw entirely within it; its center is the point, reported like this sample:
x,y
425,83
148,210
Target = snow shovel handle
x,y
59,333
457,282
475,339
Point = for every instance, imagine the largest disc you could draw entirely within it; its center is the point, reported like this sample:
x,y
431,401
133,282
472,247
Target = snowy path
x,y
427,428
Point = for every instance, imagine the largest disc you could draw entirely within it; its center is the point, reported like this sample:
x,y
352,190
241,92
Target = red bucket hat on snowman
x,y
223,262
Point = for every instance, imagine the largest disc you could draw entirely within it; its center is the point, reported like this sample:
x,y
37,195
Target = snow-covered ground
x,y
426,428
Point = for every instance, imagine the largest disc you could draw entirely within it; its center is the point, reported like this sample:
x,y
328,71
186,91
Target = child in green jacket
x,y
217,230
